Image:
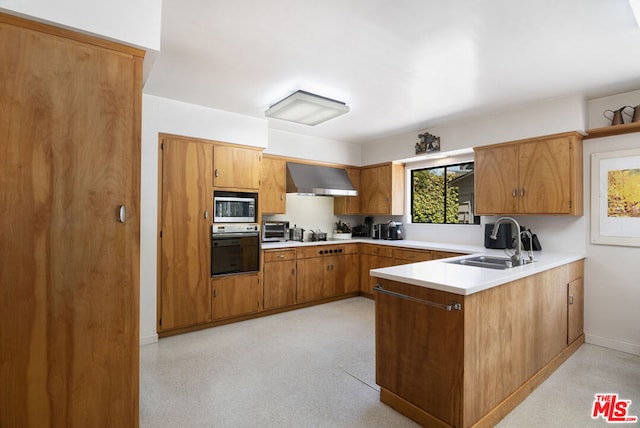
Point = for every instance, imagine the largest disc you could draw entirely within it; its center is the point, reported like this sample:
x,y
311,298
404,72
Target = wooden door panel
x,y
235,295
70,276
186,243
576,309
545,176
310,277
273,186
496,180
279,284
236,167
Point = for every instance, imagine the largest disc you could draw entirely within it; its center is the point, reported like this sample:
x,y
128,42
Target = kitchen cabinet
x,y
236,167
372,257
404,256
322,271
575,301
382,189
273,185
349,205
481,358
70,108
279,278
185,243
235,295
444,254
535,176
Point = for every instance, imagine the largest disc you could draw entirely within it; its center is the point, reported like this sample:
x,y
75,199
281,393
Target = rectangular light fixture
x,y
635,6
306,108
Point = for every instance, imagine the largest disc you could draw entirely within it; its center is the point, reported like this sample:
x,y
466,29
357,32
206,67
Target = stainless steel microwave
x,y
234,207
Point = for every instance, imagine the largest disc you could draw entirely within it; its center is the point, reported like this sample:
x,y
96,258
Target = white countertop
x,y
440,275
465,280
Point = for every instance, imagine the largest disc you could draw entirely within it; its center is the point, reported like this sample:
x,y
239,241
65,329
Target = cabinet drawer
x,y
444,254
376,250
412,255
320,250
279,255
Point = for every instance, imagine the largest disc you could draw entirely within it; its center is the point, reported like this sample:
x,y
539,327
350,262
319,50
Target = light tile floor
x,y
315,367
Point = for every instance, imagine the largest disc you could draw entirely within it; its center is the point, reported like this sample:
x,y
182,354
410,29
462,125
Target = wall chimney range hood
x,y
306,179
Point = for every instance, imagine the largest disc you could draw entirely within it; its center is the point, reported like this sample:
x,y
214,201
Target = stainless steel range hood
x,y
305,179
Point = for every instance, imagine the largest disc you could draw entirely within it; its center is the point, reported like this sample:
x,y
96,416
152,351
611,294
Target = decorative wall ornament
x,y
427,143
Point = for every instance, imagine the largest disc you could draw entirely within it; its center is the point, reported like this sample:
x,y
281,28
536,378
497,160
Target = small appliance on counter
x,y
504,237
275,231
394,230
296,233
380,231
318,235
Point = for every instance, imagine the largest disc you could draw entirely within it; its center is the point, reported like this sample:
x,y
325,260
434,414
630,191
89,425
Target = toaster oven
x,y
275,231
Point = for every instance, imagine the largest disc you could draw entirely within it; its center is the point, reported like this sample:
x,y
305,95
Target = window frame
x,y
443,163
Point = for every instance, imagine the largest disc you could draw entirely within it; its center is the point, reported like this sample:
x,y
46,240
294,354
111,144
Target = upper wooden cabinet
x,y
535,176
70,109
273,185
236,167
349,205
382,189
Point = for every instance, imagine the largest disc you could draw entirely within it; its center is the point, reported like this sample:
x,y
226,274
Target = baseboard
x,y
617,345
148,340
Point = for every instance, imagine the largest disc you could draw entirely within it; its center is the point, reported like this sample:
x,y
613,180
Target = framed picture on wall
x,y
615,198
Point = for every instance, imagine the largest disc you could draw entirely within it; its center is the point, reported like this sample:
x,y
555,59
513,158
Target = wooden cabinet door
x,y
235,295
351,273
310,279
236,167
375,190
496,180
545,176
185,271
334,275
349,205
368,262
422,365
273,186
279,284
69,296
576,309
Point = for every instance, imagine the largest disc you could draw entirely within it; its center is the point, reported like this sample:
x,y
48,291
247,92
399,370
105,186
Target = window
x,y
443,195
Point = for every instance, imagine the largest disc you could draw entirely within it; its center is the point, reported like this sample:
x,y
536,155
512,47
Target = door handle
x,y
122,214
206,213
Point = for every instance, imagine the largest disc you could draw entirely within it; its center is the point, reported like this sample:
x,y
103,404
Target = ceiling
x,y
400,65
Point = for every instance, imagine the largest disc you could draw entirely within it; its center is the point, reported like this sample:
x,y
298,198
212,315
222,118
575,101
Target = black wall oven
x,y
235,248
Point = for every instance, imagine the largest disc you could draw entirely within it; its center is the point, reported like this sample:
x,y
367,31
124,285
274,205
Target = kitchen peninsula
x,y
461,346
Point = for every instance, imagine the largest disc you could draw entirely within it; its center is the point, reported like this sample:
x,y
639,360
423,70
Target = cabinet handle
x,y
282,196
522,191
454,306
293,272
281,256
122,214
571,300
206,213
514,193
217,173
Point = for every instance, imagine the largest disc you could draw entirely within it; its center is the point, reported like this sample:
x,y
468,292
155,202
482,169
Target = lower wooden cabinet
x,y
235,295
279,278
323,271
402,256
372,257
575,302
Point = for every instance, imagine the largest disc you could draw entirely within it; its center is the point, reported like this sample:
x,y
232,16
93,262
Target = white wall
x,y
320,149
533,120
612,274
160,115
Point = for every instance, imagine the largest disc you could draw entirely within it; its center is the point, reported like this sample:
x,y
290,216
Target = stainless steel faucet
x,y
517,259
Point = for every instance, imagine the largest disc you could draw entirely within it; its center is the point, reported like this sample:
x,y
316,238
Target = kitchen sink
x,y
491,262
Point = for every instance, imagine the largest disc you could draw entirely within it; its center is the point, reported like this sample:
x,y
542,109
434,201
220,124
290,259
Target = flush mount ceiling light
x,y
306,108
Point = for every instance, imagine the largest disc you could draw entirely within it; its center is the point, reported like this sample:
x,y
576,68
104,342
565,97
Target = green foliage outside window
x,y
436,195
